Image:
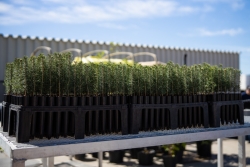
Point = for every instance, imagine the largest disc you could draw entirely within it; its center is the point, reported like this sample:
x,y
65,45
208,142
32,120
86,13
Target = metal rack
x,y
20,152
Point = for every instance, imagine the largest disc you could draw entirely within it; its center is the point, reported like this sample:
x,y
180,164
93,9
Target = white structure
x,y
244,81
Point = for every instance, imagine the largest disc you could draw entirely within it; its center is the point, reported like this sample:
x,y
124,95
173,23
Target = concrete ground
x,y
191,159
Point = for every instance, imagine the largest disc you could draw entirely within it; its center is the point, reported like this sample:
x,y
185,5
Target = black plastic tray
x,y
166,112
93,117
5,116
215,118
225,108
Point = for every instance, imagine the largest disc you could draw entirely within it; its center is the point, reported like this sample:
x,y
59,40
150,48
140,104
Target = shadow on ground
x,y
233,159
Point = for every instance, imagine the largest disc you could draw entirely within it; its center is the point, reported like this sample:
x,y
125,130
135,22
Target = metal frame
x,y
20,152
220,153
78,51
143,54
94,52
48,49
118,53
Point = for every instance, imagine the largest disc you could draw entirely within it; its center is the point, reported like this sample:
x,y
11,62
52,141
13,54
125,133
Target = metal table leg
x,y
45,162
220,158
100,159
51,162
242,151
48,162
18,163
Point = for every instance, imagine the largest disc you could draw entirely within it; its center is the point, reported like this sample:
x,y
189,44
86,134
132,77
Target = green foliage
x,y
8,78
160,79
51,74
18,80
155,79
208,83
226,79
173,78
90,75
59,74
112,47
77,79
105,73
183,80
172,149
56,75
42,74
167,84
34,75
127,80
148,81
137,80
68,74
236,80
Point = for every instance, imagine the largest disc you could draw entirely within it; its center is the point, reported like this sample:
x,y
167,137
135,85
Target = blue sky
x,y
205,24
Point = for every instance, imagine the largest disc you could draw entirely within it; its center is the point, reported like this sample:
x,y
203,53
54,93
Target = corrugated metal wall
x,y
14,47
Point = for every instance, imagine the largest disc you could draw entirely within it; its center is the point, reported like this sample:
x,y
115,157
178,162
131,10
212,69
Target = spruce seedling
x,y
33,68
8,83
41,61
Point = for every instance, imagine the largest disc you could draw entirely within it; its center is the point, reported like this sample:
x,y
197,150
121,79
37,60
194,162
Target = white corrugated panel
x,y
236,60
168,55
3,56
188,59
233,60
213,57
207,56
200,57
179,56
224,59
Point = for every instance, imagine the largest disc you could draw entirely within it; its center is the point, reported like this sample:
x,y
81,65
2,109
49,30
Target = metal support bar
x,y
100,158
48,162
242,151
44,162
220,158
51,162
18,163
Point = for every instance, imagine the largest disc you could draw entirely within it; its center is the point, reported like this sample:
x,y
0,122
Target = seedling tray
x,y
225,108
231,117
27,122
5,116
156,116
246,103
5,112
